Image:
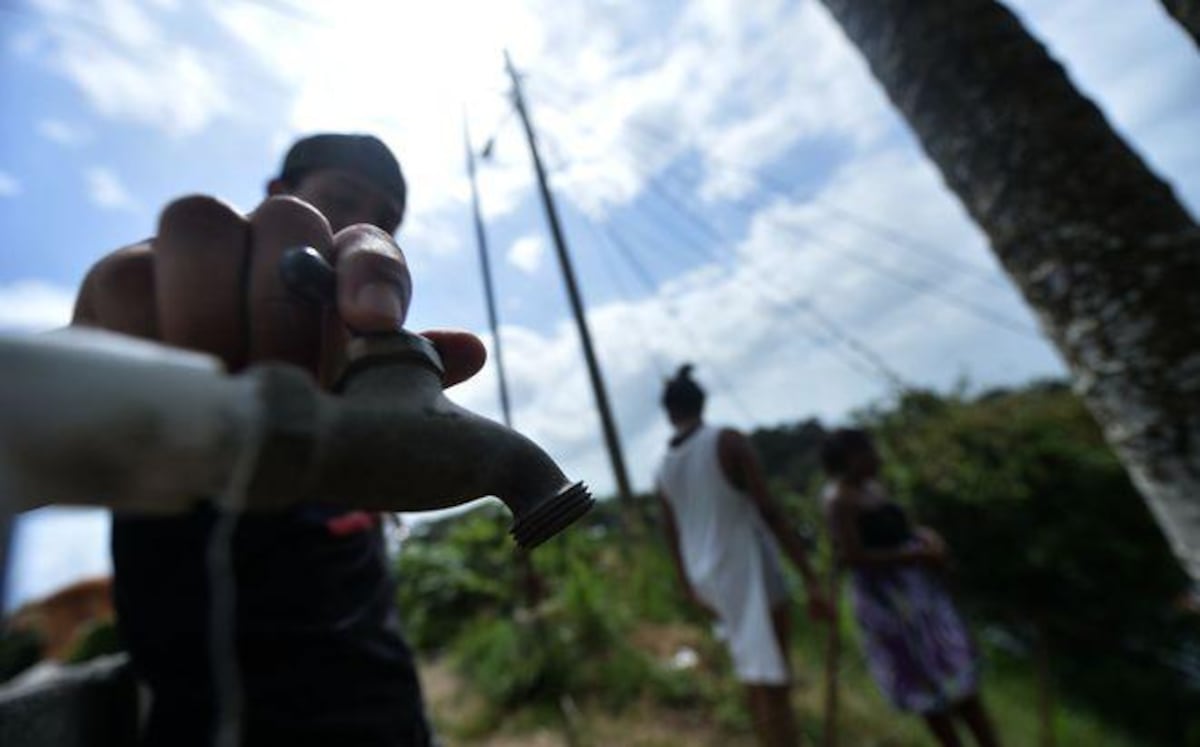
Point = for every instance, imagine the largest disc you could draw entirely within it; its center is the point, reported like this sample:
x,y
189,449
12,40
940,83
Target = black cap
x,y
364,155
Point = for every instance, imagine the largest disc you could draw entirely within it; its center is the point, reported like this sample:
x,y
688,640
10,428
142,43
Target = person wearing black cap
x,y
725,534
320,659
349,178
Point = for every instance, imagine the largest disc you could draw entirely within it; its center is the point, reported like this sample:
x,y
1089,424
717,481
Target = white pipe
x,y
96,418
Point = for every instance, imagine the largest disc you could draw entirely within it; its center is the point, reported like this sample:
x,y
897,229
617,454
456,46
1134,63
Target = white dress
x,y
728,554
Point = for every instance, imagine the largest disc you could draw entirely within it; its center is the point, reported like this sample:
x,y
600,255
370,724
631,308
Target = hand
x,y
933,547
209,281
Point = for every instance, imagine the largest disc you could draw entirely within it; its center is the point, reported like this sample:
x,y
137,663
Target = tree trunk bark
x,y
1187,12
1099,246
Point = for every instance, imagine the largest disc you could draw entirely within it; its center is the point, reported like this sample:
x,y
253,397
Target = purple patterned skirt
x,y
918,649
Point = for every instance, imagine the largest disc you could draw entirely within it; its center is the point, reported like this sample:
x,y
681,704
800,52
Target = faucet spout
x,y
391,440
157,427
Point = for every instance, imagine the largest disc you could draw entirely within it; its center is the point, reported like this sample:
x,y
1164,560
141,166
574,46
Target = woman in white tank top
x,y
726,535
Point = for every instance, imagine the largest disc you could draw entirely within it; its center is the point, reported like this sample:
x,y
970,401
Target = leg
x,y
771,711
781,620
973,713
770,705
942,727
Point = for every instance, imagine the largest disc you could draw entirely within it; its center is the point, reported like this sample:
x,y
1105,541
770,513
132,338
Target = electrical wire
x,y
891,234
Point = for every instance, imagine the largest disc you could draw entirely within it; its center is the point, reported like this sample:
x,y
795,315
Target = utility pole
x,y
486,269
611,439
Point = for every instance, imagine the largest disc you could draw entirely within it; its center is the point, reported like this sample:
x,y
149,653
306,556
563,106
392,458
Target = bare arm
x,y
672,532
741,466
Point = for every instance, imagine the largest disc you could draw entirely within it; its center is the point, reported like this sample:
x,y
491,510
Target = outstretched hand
x,y
210,281
933,547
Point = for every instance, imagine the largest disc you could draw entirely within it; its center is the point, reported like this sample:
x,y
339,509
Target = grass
x,y
710,711
591,664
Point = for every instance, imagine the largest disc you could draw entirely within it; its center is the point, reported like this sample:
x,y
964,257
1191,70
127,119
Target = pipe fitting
x,y
156,428
389,439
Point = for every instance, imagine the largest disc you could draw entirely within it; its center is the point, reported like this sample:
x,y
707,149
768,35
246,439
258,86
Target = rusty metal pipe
x,y
389,439
153,428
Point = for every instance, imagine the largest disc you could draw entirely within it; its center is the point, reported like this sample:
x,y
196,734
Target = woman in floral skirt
x,y
918,649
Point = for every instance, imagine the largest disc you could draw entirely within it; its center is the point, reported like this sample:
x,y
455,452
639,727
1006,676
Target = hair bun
x,y
684,373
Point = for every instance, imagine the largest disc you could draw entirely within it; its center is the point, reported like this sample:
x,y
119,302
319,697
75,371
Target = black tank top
x,y
319,649
883,527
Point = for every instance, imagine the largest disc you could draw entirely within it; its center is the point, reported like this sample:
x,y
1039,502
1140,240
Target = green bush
x,y
19,650
1052,543
99,638
446,582
1049,539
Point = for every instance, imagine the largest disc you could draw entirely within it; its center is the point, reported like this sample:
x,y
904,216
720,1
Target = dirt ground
x,y
457,713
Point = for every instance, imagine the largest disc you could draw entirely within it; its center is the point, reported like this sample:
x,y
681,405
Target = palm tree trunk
x,y
1187,12
1099,246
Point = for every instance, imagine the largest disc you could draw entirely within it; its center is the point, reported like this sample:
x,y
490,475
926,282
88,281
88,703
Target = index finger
x,y
374,286
463,354
373,289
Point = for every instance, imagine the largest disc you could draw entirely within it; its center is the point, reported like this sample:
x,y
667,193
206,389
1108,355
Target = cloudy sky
x,y
736,189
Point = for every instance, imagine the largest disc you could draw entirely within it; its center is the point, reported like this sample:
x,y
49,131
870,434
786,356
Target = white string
x,y
222,619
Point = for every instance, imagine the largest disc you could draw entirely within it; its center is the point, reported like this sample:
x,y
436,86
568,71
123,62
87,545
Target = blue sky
x,y
738,151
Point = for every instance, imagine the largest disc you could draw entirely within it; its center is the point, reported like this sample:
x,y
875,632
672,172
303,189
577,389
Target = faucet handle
x,y
400,346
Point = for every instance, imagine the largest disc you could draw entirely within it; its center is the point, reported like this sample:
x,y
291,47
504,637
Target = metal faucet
x,y
94,418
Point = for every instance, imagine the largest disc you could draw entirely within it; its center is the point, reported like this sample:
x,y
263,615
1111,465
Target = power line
x,y
875,365
605,235
615,240
830,334
660,365
888,233
922,285
851,343
765,182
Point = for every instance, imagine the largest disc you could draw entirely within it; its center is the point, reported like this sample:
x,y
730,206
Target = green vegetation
x,y
98,638
1054,553
1053,546
19,650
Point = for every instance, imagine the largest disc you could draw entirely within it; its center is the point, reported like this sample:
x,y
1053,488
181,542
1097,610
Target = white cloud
x,y
106,190
34,306
63,133
131,69
743,322
526,254
597,82
716,91
10,186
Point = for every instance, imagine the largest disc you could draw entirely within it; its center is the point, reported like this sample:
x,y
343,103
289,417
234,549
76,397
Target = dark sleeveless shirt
x,y
883,527
320,654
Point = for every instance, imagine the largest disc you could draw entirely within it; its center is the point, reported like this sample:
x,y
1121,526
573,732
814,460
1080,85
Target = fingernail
x,y
380,299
